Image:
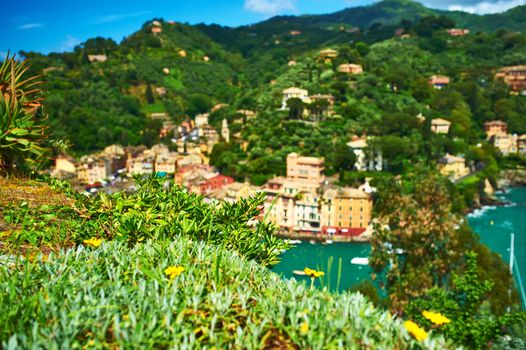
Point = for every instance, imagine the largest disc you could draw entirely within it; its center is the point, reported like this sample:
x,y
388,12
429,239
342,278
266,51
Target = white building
x,y
365,161
294,92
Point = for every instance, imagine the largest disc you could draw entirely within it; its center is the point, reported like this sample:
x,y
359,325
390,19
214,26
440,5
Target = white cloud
x,y
121,16
68,43
30,26
270,7
488,7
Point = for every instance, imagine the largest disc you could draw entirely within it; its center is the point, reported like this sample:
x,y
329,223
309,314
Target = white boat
x,y
294,241
329,241
312,241
360,261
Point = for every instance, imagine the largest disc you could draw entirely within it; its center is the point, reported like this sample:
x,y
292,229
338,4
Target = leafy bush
x,y
114,296
22,128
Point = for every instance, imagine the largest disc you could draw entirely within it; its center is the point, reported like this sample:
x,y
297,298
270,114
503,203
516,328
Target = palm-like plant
x,y
22,121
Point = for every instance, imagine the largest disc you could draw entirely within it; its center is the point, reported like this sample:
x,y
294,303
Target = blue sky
x,y
59,25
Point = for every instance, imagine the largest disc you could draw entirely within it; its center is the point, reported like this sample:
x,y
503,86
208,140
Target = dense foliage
x,y
22,121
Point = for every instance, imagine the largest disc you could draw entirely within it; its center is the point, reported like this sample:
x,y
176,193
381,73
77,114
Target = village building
x,y
346,211
505,143
458,32
201,179
65,167
453,166
294,92
305,168
291,63
182,53
201,120
91,170
350,68
439,81
166,163
234,192
115,156
521,145
295,32
191,159
97,58
366,160
328,54
514,77
495,127
225,132
440,126
157,30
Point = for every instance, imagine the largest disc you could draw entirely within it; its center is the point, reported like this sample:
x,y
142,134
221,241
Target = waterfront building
x,y
346,211
91,169
166,162
505,143
521,145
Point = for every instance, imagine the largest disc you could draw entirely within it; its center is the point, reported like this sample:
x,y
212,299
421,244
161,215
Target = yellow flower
x,y
417,332
125,317
93,242
313,273
91,342
304,329
436,318
173,271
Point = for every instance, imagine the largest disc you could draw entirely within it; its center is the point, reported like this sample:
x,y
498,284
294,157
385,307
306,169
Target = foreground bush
x,y
113,296
151,212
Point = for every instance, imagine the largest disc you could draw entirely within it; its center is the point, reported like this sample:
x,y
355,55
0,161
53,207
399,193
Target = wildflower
x,y
313,273
126,317
436,318
304,329
93,242
173,271
91,342
415,330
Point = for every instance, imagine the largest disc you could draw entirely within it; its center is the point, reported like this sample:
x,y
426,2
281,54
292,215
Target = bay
x,y
493,224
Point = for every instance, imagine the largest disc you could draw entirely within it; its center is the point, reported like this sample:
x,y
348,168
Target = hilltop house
x,y
440,126
514,77
328,54
97,58
495,127
453,166
294,92
350,68
439,81
364,162
458,32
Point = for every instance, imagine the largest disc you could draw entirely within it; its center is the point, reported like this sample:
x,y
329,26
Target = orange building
x,y
346,210
305,168
514,76
495,127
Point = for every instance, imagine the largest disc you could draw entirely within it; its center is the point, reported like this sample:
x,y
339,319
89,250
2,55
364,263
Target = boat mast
x,y
512,257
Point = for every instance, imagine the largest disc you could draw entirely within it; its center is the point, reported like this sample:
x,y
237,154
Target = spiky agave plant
x,y
22,121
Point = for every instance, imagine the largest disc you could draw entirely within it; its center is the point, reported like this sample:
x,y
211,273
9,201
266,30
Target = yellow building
x,y
328,53
453,166
91,170
305,168
345,209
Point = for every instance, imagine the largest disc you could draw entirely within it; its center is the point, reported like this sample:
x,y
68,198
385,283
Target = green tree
x,y
149,94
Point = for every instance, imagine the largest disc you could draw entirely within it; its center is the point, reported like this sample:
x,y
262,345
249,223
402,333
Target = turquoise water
x,y
318,256
495,225
506,220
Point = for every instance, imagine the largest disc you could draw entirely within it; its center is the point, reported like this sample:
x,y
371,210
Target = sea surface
x,y
493,224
